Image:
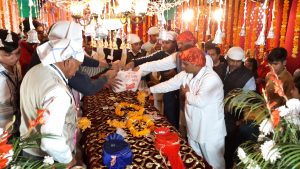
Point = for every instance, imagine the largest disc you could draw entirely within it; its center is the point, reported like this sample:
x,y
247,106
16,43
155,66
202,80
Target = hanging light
x,y
135,10
218,17
141,7
218,14
188,15
76,9
96,6
124,6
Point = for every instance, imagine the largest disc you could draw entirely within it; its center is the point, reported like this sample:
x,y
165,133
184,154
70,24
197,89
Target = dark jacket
x,y
131,56
236,79
117,54
221,69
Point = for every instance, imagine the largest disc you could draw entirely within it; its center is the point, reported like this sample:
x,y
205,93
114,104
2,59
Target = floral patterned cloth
x,y
101,107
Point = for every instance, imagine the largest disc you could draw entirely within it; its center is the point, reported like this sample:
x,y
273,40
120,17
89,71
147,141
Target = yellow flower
x,y
141,97
84,123
117,124
147,127
119,112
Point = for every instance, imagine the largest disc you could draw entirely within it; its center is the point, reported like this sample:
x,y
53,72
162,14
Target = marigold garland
x,y
84,123
284,21
119,112
117,124
213,22
238,21
147,128
253,35
296,32
229,19
141,97
201,25
249,8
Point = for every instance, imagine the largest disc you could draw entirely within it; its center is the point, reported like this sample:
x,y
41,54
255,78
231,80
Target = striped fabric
x,y
91,71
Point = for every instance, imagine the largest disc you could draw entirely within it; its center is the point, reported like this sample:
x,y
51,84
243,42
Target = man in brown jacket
x,y
277,61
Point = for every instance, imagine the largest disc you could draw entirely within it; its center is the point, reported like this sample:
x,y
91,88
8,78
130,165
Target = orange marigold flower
x,y
84,123
141,97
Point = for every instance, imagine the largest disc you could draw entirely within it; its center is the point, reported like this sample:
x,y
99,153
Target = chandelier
x,y
125,10
105,19
108,10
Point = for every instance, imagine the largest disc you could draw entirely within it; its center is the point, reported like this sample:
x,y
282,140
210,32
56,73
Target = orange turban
x,y
186,36
193,55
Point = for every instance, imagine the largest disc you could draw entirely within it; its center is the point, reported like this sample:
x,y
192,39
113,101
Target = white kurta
x,y
204,112
204,103
166,63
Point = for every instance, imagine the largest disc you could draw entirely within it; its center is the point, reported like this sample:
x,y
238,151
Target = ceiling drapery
x,y
286,24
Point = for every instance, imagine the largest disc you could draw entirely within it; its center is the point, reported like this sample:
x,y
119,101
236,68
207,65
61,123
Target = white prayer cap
x,y
153,30
169,35
133,38
236,53
65,41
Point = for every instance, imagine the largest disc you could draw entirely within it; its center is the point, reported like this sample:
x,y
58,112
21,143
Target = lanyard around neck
x,y
70,90
59,73
15,83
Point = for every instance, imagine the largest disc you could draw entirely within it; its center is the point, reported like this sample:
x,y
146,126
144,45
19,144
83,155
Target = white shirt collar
x,y
201,72
140,51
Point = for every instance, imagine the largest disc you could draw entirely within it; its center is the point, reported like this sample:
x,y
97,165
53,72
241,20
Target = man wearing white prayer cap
x,y
153,44
45,86
237,76
135,50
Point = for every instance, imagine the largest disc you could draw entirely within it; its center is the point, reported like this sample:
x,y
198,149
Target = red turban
x,y
186,36
193,55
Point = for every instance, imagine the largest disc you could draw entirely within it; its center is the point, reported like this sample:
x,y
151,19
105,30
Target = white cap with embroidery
x,y
169,35
65,41
153,30
133,38
236,53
